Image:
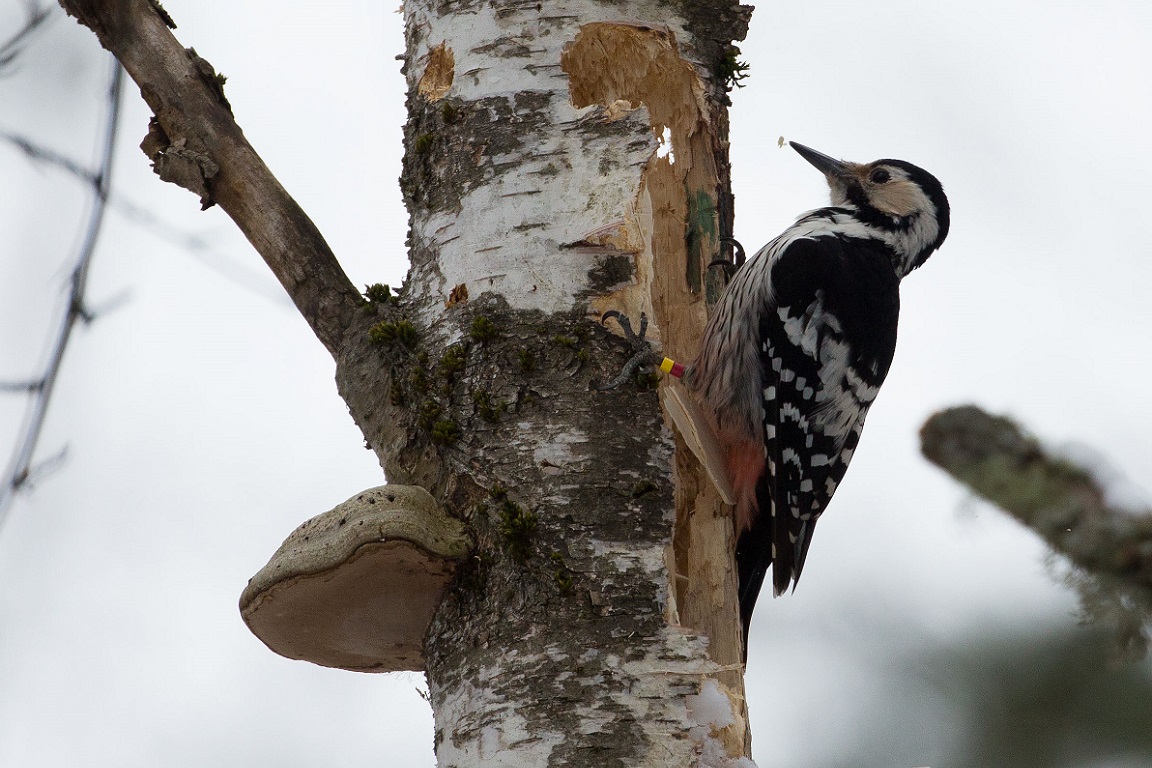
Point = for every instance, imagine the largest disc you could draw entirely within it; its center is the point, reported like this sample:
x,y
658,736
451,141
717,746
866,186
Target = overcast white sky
x,y
202,423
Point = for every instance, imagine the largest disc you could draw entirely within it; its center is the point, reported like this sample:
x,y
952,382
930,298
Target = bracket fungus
x,y
356,587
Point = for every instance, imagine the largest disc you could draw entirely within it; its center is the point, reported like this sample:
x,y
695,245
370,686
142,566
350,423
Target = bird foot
x,y
643,354
730,267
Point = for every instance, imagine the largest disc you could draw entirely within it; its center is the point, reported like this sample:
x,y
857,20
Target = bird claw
x,y
635,339
643,350
730,267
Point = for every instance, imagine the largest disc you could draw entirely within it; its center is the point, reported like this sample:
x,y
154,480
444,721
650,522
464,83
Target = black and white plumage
x,y
797,348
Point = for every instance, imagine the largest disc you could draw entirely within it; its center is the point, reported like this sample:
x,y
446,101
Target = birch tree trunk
x,y
562,159
538,187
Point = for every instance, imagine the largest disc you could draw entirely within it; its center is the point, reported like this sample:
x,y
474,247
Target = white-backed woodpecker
x,y
797,348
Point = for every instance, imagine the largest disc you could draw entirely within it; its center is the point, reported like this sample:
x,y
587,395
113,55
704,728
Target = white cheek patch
x,y
900,199
908,205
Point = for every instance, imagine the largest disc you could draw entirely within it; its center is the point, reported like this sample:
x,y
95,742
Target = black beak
x,y
827,165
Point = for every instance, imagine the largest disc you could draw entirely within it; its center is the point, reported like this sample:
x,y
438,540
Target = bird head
x,y
902,202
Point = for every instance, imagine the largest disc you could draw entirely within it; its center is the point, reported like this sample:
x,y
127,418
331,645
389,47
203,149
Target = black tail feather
x,y
768,544
753,559
784,560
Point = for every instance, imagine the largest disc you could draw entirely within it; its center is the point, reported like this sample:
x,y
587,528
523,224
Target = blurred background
x,y
199,423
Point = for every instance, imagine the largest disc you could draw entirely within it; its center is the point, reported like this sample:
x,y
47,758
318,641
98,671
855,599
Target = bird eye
x,y
879,176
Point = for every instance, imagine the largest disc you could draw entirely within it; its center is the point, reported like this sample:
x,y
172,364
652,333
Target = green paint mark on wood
x,y
702,240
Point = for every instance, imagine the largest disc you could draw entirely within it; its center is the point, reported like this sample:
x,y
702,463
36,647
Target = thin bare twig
x,y
42,154
10,48
21,469
196,244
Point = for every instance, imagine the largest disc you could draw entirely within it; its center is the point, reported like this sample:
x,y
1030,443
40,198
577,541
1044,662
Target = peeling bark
x,y
538,184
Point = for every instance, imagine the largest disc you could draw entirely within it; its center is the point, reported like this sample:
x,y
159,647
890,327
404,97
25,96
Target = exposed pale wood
x,y
688,417
629,66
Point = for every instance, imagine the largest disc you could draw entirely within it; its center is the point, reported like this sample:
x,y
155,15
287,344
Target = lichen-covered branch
x,y
194,141
1057,499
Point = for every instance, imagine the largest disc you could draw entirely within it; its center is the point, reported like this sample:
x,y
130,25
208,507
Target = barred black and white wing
x,y
827,336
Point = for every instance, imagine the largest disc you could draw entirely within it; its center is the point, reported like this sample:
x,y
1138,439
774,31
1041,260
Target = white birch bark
x,y
564,159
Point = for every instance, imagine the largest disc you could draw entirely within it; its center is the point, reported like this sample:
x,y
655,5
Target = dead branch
x,y
195,142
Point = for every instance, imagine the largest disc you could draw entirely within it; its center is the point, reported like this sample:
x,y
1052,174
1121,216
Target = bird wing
x,y
826,343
